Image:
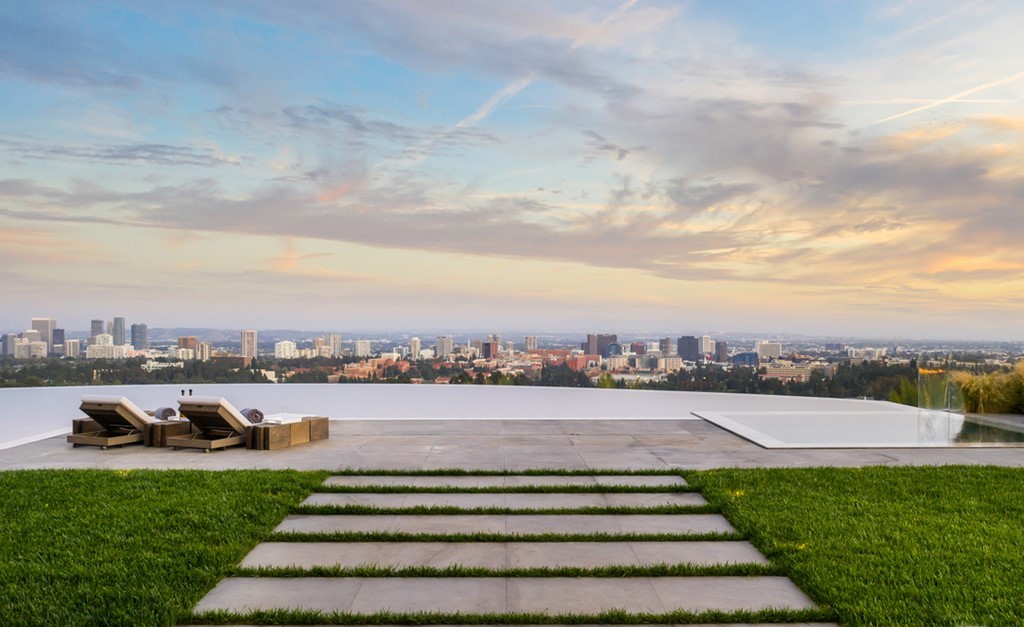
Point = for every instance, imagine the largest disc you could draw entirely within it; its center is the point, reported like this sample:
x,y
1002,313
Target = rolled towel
x,y
165,413
254,416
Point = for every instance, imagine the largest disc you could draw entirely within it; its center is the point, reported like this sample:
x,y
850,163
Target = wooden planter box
x,y
269,437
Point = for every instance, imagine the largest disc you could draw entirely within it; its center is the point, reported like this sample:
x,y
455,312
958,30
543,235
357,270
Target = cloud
x,y
157,154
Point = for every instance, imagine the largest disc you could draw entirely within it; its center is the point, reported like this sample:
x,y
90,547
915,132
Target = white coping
x,y
28,414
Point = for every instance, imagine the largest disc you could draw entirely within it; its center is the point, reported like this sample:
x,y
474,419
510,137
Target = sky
x,y
812,166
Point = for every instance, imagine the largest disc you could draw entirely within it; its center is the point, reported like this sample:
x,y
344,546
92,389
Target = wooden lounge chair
x,y
218,423
120,420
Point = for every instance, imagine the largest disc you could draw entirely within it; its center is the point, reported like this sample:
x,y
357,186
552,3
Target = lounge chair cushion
x,y
115,412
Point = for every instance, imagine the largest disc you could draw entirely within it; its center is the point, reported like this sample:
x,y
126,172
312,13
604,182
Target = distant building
x,y
285,349
707,345
688,347
670,364
489,350
140,337
118,331
443,346
598,344
249,343
510,347
665,347
334,344
31,335
8,342
767,350
721,352
363,348
203,351
45,326
96,328
72,348
530,342
414,348
188,342
745,359
57,344
638,348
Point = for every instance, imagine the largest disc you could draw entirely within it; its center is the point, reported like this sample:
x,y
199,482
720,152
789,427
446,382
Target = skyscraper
x,y
140,337
203,351
414,348
45,327
190,342
334,343
118,331
249,343
598,344
721,351
689,347
665,346
95,328
363,348
444,346
531,342
58,340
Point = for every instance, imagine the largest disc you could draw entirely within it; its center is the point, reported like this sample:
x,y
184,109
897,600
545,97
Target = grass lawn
x,y
873,546
888,546
90,547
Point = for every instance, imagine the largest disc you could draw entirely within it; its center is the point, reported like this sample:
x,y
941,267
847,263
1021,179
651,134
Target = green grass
x,y
888,546
91,547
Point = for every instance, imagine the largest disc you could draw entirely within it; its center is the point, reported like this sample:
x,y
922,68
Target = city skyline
x,y
831,169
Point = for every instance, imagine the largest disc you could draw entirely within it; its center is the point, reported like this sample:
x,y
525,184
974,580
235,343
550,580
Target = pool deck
x,y
496,445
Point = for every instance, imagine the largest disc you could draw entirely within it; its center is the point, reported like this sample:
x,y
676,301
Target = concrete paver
x,y
499,555
510,500
511,524
490,595
497,481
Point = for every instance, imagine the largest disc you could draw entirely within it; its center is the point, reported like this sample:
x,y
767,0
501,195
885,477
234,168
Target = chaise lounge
x,y
120,421
219,424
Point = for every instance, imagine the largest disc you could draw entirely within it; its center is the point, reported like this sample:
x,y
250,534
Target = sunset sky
x,y
827,167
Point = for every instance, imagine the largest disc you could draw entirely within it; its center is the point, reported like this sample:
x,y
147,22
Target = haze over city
x,y
832,168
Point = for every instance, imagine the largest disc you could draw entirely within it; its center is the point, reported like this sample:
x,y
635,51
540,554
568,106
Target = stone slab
x,y
511,524
497,481
509,500
490,595
499,555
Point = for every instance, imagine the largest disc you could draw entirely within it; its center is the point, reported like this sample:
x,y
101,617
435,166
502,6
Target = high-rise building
x,y
285,349
140,337
707,345
203,351
414,348
510,347
96,327
665,347
721,351
494,337
363,348
9,339
104,339
45,326
334,344
249,343
57,344
489,350
689,347
766,350
72,348
443,347
531,342
638,348
118,331
32,335
190,342
598,344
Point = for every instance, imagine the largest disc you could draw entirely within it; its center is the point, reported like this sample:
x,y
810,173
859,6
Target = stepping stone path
x,y
513,549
